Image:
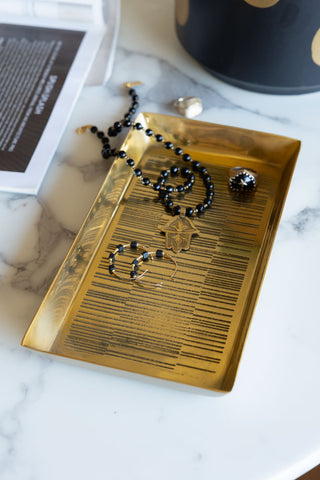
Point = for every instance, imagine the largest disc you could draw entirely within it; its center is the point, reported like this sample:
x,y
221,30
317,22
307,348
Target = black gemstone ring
x,y
242,179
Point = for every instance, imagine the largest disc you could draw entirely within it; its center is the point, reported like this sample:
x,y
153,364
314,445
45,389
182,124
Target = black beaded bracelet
x,y
160,186
165,191
158,254
119,249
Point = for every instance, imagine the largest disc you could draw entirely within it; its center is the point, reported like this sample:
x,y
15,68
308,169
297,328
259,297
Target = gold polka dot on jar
x,y
182,11
315,48
262,3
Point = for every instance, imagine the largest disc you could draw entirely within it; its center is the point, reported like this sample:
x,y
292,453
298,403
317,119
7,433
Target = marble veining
x,y
67,421
306,219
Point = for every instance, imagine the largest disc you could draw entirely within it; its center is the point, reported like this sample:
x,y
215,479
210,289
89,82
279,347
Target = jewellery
x,y
185,172
242,179
120,248
179,227
178,233
189,107
145,256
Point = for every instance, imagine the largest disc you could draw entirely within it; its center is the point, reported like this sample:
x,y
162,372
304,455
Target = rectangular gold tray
x,y
191,329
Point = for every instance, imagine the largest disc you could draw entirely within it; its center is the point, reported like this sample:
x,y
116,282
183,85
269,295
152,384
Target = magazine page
x,y
43,66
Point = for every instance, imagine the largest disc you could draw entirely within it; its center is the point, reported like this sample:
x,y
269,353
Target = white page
x,y
94,36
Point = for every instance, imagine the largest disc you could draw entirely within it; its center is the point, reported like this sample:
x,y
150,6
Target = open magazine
x,y
44,63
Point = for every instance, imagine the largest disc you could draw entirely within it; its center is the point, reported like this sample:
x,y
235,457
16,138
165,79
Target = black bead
x,y
135,262
169,188
156,186
202,171
132,110
93,129
195,165
169,204
113,152
207,202
145,256
159,138
200,208
133,274
111,256
100,134
176,210
134,244
206,178
146,181
112,132
159,253
185,171
161,180
210,193
126,123
105,140
178,151
165,195
137,172
132,91
117,126
164,173
138,126
135,105
187,185
120,247
168,145
111,268
189,212
130,162
122,154
186,157
210,186
128,116
149,132
106,152
174,170
135,97
180,188
191,177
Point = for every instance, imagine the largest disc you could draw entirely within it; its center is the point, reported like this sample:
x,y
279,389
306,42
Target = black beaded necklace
x,y
179,231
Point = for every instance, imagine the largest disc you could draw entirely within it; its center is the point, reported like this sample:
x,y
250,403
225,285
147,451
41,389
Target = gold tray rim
x,y
145,118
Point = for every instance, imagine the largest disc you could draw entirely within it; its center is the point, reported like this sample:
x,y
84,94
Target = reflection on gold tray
x,y
191,330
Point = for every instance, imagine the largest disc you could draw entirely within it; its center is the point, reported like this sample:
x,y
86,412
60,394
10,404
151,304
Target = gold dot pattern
x,y
182,11
315,48
262,3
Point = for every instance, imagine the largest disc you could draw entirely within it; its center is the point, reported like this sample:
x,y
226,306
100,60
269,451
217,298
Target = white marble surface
x,y
69,422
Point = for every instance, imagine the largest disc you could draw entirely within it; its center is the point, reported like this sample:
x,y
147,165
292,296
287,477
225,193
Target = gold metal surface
x,y
182,8
262,3
315,48
132,84
191,329
179,231
83,129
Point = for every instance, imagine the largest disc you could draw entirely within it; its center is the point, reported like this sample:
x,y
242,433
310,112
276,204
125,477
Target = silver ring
x,y
188,106
242,179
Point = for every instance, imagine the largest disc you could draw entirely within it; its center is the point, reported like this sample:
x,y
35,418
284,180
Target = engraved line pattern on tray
x,y
188,323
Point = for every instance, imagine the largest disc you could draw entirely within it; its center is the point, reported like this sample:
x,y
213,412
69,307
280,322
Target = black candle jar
x,y
270,46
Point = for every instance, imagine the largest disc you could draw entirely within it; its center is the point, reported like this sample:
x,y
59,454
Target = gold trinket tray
x,y
190,329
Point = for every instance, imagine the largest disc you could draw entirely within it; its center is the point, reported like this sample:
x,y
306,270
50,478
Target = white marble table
x,y
69,422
